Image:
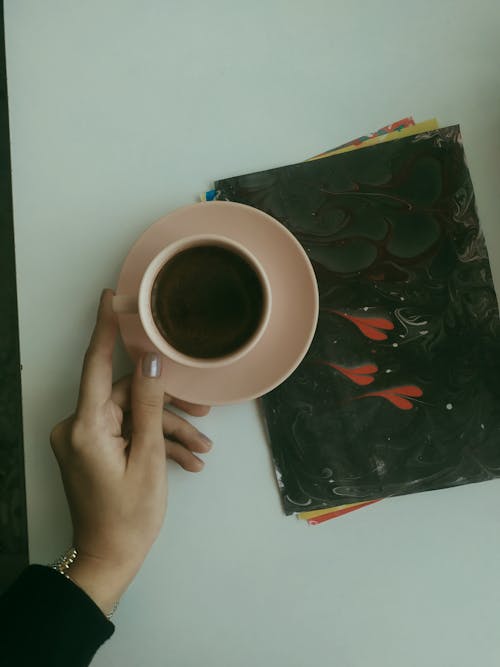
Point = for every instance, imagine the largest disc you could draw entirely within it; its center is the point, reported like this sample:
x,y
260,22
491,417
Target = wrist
x,y
104,582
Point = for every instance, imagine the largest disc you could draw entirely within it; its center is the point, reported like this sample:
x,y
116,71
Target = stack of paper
x,y
399,392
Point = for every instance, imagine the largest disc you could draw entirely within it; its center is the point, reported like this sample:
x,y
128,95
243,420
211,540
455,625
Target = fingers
x,y
181,437
147,405
181,441
121,396
183,456
181,431
97,373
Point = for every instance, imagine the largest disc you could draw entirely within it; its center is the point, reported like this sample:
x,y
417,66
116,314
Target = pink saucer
x,y
294,292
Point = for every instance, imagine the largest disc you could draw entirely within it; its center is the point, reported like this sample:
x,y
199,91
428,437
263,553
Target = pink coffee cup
x,y
141,303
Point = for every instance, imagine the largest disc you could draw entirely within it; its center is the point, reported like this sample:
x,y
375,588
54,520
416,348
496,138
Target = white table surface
x,y
122,111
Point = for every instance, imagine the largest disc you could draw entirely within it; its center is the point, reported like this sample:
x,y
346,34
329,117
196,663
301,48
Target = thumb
x,y
147,397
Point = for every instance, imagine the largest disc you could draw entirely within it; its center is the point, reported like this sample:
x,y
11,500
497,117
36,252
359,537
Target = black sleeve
x,y
47,620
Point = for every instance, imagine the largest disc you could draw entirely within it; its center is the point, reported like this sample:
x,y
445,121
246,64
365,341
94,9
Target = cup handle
x,y
123,303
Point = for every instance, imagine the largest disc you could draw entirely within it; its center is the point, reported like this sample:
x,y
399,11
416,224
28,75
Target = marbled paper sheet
x,y
399,390
396,130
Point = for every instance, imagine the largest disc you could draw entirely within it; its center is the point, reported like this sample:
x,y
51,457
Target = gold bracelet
x,y
64,562
62,565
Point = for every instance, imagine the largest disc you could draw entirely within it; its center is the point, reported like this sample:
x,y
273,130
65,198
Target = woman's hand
x,y
112,455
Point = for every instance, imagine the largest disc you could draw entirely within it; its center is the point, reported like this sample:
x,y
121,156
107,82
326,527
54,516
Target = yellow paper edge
x,y
424,126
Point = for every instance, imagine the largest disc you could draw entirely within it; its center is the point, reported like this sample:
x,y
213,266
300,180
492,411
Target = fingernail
x,y
200,464
151,365
206,440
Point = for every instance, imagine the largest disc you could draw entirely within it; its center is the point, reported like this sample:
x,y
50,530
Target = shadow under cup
x,y
208,302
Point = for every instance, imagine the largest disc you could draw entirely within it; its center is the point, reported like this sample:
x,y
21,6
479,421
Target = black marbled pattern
x,y
13,531
393,234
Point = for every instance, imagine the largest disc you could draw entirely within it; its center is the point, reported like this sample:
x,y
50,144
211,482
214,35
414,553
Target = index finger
x,y
97,373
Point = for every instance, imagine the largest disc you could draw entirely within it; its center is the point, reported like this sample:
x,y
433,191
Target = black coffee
x,y
207,302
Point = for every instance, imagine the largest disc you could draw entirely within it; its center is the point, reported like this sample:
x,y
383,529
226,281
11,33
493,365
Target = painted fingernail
x,y
151,365
206,440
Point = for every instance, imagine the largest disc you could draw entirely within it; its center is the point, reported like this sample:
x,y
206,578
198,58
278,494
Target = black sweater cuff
x,y
46,619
